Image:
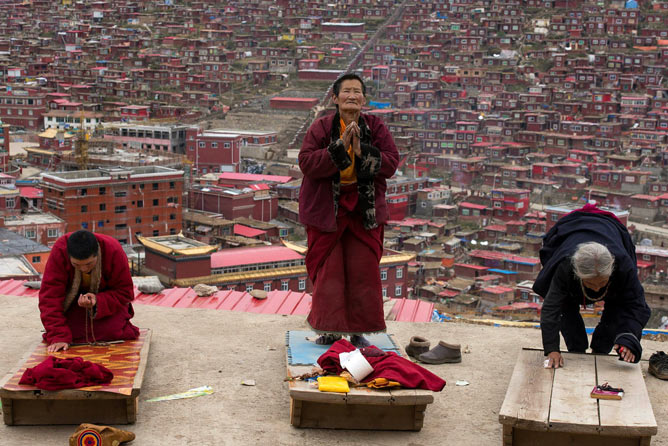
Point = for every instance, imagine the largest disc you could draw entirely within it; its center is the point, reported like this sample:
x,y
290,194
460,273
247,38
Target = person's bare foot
x,y
359,341
327,339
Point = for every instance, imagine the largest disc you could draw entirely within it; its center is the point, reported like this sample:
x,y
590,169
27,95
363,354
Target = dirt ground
x,y
196,347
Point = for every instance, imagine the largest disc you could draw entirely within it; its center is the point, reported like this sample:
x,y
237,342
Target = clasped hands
x,y
555,360
351,135
88,300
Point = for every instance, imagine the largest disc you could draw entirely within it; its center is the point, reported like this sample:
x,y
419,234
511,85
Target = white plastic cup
x,y
356,364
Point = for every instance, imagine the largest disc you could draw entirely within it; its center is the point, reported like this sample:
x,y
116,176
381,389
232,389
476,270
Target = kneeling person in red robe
x,y
86,292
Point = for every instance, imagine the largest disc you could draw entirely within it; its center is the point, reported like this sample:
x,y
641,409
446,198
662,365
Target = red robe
x,y
116,291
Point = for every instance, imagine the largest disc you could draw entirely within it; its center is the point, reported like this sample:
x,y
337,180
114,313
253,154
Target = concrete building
x,y
13,245
23,108
166,138
39,227
120,202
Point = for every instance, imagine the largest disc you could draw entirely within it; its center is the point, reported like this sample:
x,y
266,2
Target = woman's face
x,y
351,96
596,283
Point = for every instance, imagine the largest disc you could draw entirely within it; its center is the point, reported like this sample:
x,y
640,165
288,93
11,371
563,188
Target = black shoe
x,y
442,353
417,346
359,341
658,365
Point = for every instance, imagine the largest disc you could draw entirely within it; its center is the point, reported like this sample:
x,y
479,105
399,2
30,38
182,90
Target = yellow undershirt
x,y
85,282
348,175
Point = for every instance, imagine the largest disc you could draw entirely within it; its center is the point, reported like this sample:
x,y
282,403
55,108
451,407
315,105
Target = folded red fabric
x,y
390,366
66,373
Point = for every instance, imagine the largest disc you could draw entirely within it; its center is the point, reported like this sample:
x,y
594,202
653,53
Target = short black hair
x,y
336,88
82,245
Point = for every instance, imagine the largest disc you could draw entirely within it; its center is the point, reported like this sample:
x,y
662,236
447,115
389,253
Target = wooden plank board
x,y
572,409
73,406
41,412
301,390
143,360
527,401
551,438
632,415
312,414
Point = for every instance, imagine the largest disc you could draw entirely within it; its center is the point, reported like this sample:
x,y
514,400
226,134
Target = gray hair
x,y
591,260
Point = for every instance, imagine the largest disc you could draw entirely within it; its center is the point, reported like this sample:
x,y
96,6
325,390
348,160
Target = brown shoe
x,y
658,365
442,353
99,435
417,346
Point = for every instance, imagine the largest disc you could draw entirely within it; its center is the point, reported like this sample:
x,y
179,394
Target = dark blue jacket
x,y
625,304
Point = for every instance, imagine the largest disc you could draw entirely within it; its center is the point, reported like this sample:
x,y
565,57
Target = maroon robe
x,y
344,269
113,308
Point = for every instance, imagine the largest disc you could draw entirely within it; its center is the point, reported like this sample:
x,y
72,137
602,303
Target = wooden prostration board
x,y
558,400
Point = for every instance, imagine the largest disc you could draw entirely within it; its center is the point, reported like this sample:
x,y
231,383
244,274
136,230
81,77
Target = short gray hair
x,y
591,260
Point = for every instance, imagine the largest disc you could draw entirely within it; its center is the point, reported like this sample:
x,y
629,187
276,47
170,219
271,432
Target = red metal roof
x,y
31,192
252,255
247,231
254,177
472,206
277,302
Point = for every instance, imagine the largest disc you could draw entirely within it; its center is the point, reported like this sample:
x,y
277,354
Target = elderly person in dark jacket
x,y
588,256
346,159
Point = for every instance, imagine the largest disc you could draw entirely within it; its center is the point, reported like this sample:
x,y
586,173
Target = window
x,y
121,193
140,203
267,286
284,285
84,208
302,284
119,209
202,144
249,288
83,192
155,218
155,186
171,185
156,233
137,219
100,224
10,203
400,273
384,292
383,274
36,259
156,202
172,216
214,145
51,233
397,290
84,225
103,190
30,233
121,226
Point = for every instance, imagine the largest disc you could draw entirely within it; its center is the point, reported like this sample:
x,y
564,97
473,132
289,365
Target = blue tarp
x,y
305,352
501,271
380,104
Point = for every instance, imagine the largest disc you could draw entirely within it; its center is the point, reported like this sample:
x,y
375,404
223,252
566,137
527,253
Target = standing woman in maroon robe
x,y
346,159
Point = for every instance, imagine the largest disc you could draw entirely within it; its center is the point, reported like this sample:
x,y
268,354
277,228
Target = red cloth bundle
x,y
390,366
66,373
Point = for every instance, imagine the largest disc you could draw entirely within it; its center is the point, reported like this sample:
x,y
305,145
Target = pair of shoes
x,y
91,434
417,346
658,365
442,353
